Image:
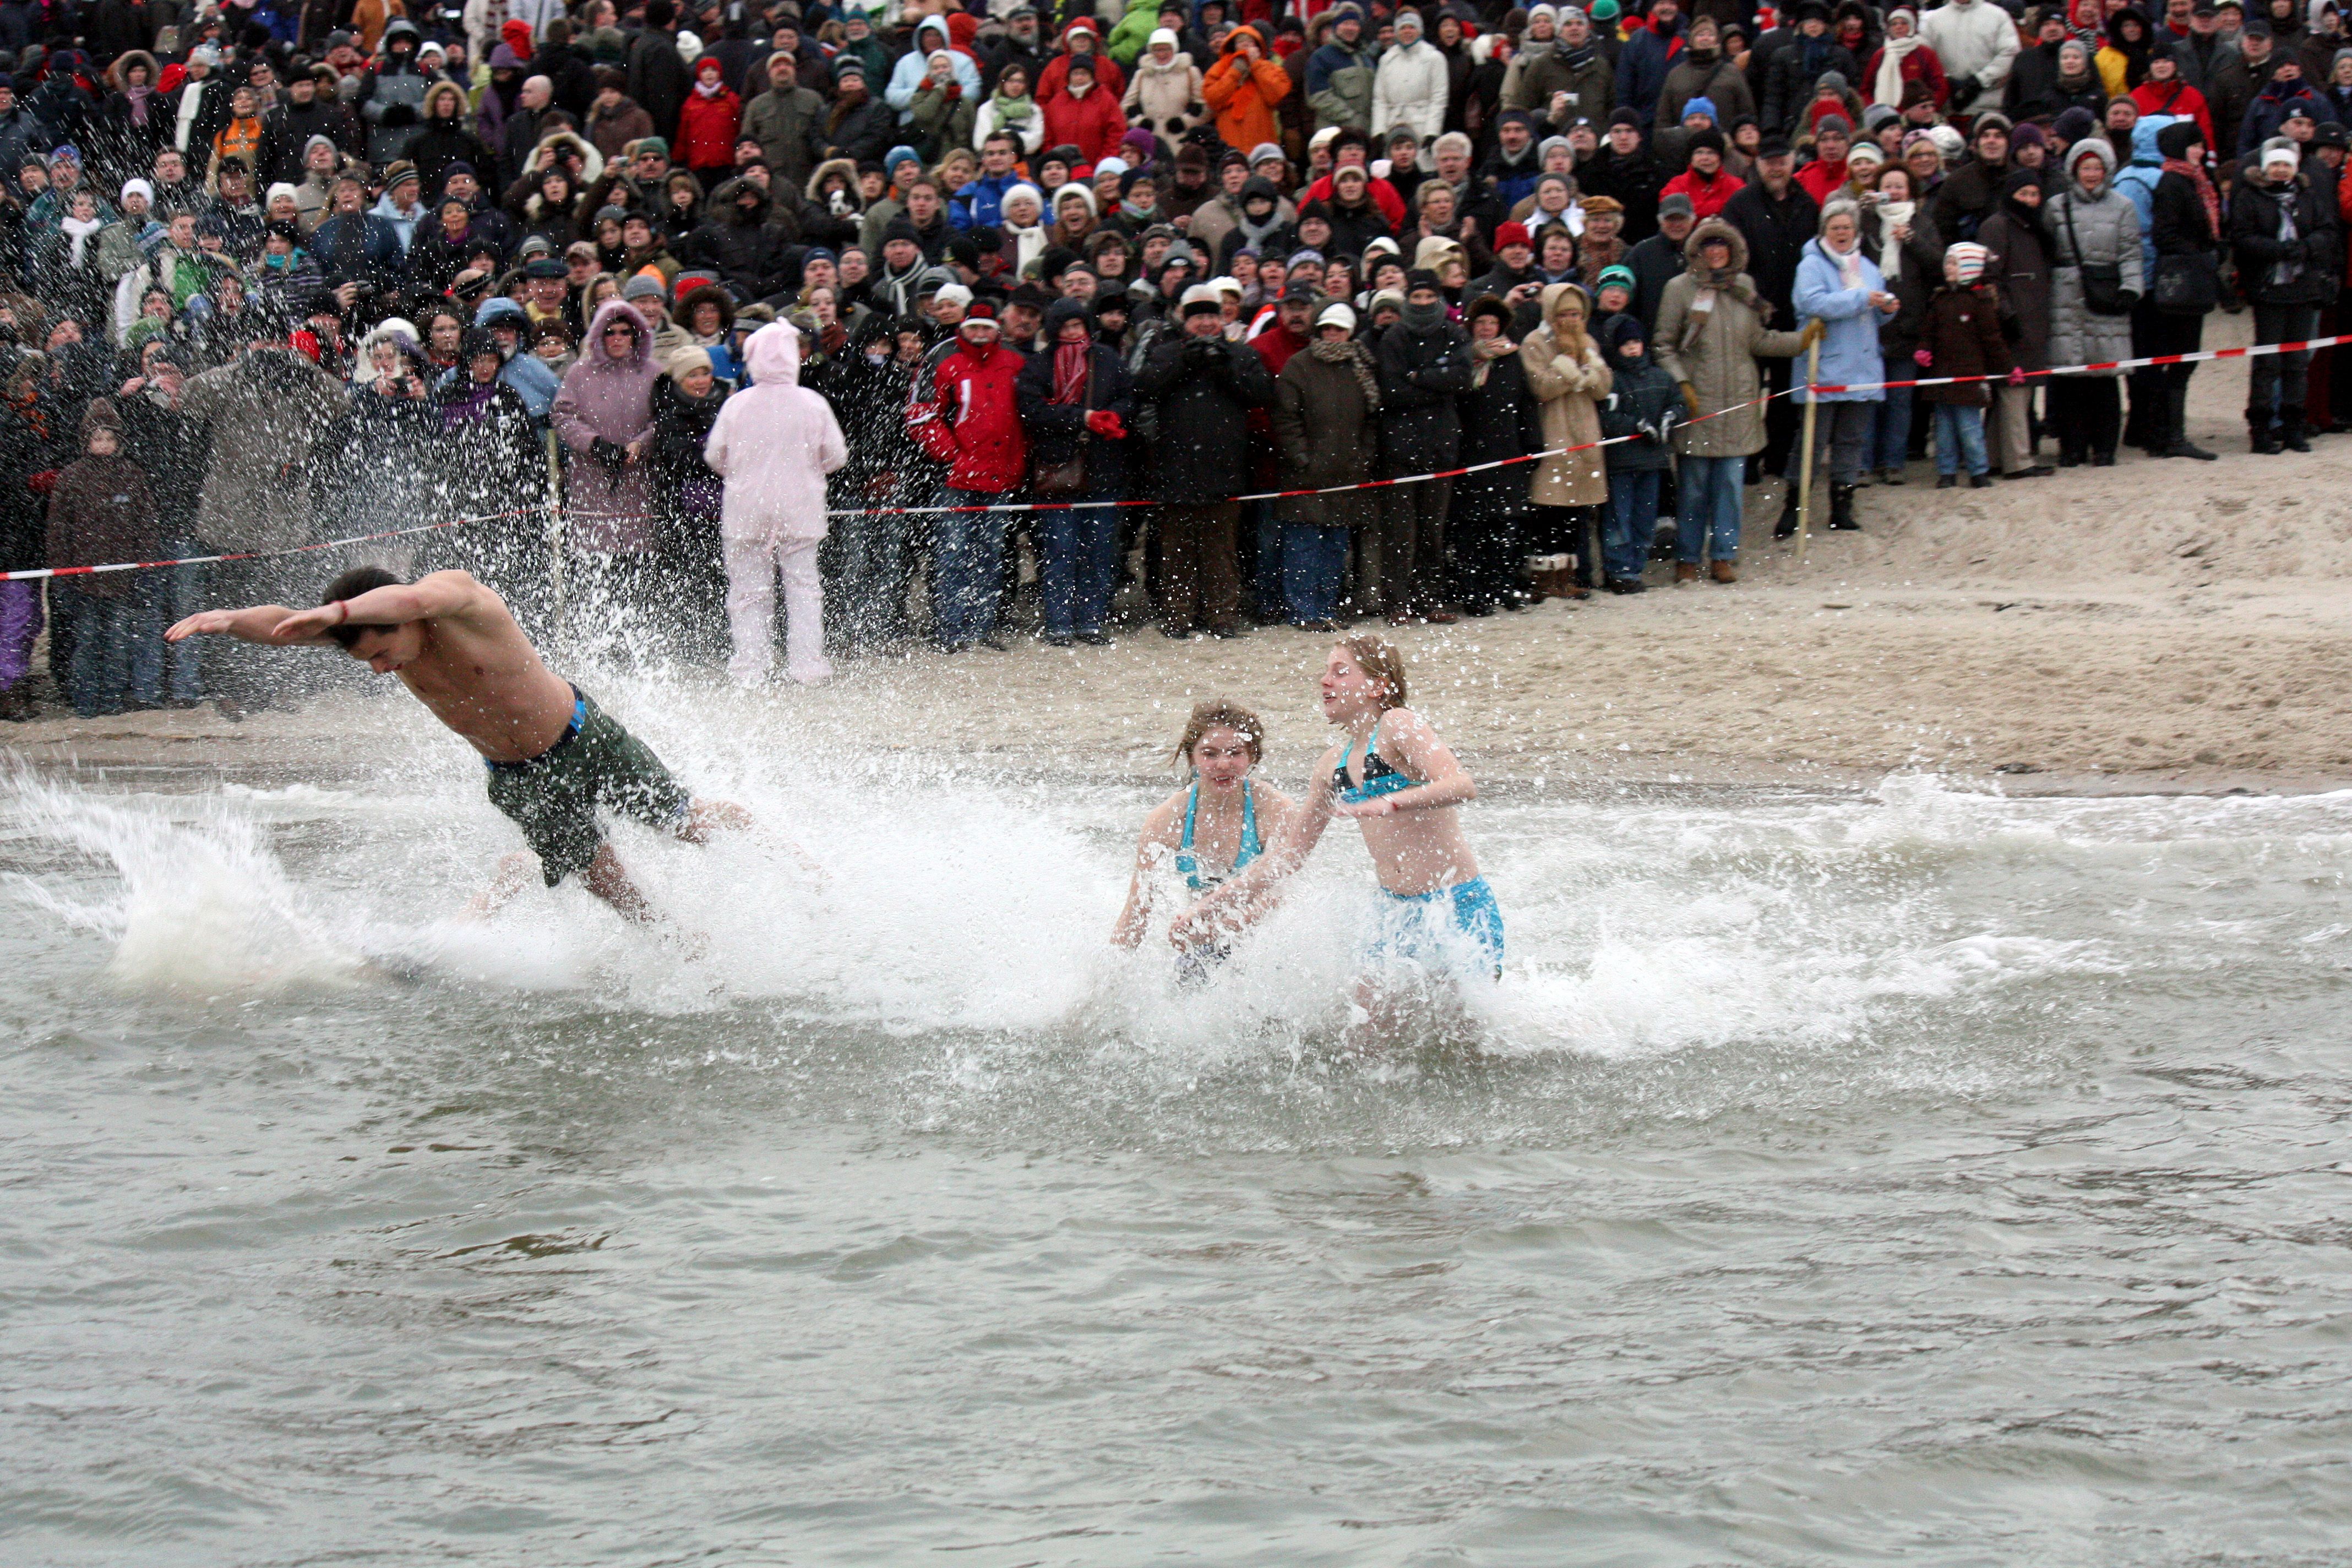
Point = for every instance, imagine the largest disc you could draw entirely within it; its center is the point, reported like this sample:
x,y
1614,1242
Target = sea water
x,y
1907,1175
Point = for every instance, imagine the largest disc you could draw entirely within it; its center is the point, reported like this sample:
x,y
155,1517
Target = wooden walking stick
x,y
1805,472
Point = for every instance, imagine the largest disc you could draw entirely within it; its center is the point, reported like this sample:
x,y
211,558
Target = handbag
x,y
1059,481
2102,282
2188,284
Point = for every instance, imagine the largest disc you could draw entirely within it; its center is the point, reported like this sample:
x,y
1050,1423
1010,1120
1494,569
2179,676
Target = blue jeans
x,y
1709,491
118,652
1270,580
1080,550
181,593
1314,570
1632,520
967,559
1890,433
1960,438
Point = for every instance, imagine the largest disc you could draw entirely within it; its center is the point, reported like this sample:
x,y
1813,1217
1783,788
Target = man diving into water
x,y
554,757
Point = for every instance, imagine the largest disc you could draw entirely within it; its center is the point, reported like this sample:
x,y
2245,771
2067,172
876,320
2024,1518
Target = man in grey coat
x,y
785,120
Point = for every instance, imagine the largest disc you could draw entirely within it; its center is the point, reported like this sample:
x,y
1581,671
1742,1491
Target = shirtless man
x,y
554,757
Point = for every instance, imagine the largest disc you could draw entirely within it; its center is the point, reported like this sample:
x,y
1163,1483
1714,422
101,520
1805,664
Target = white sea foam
x,y
983,908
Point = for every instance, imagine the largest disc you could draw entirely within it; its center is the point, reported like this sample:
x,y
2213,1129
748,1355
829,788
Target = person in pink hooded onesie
x,y
773,444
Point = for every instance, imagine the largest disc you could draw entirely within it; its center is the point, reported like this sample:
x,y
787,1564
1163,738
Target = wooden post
x,y
555,523
1805,472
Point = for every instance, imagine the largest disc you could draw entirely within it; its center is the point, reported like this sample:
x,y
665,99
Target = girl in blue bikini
x,y
1401,784
1216,825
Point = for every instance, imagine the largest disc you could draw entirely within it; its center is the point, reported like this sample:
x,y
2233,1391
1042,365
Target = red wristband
x,y
344,605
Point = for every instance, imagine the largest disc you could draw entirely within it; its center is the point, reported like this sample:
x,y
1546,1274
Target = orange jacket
x,y
1245,97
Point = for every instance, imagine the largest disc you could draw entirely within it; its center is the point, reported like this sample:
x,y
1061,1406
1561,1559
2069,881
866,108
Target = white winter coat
x,y
1410,88
1973,37
774,443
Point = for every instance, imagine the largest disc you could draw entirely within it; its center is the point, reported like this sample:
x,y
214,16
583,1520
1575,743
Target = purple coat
x,y
608,510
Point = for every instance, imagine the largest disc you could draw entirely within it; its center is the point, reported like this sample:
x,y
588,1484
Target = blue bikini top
x,y
1189,863
1379,779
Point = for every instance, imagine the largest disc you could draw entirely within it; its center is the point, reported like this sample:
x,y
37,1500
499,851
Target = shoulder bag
x,y
2102,282
1063,480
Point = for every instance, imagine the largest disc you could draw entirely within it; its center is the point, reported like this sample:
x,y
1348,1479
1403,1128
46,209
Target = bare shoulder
x,y
1272,802
460,595
1160,826
1404,721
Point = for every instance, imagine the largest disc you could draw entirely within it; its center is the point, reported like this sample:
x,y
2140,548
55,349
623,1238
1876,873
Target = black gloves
x,y
611,456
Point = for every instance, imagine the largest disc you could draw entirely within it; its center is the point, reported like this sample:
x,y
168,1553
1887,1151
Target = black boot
x,y
2258,436
2177,442
1842,508
1786,527
2290,430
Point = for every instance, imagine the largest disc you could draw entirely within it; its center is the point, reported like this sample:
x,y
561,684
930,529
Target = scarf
x,y
1891,216
1352,355
80,229
1847,262
1886,87
1013,110
139,97
2195,175
1071,362
1254,234
709,88
468,406
1424,317
1483,355
2286,272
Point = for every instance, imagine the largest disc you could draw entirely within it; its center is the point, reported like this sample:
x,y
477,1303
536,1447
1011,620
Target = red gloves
x,y
1105,423
42,483
1922,358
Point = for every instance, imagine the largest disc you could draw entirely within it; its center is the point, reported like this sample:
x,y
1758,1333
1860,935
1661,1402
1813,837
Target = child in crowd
x,y
1962,336
1641,405
100,512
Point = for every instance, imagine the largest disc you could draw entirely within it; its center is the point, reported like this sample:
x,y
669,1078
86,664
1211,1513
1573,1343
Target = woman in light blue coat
x,y
1841,299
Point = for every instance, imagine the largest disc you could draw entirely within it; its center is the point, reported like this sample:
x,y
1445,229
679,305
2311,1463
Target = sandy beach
x,y
2156,626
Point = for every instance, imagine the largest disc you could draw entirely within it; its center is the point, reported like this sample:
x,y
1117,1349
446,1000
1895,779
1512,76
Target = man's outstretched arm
x,y
442,593
256,623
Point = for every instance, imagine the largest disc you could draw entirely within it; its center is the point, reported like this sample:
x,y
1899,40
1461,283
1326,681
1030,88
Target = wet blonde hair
x,y
1384,662
1217,713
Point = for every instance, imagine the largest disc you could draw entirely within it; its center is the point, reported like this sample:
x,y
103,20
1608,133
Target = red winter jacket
x,y
1093,124
706,130
973,423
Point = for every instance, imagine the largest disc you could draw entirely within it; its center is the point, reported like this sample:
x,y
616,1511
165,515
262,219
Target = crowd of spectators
x,y
294,270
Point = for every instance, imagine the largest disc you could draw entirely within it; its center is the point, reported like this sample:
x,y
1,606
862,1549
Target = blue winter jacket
x,y
980,202
1849,353
532,381
2138,183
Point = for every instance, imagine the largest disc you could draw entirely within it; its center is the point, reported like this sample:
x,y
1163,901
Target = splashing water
x,y
1833,1179
980,909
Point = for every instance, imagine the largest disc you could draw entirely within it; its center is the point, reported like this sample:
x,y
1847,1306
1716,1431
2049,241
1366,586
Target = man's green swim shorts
x,y
596,765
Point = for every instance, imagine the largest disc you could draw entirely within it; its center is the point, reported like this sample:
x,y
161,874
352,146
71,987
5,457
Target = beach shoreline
x,y
1827,681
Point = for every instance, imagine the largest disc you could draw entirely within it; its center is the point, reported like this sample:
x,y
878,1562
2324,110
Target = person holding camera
x,y
1203,387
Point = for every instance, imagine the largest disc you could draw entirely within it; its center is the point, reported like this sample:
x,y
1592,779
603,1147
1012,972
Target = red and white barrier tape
x,y
260,554
2200,356
1825,388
